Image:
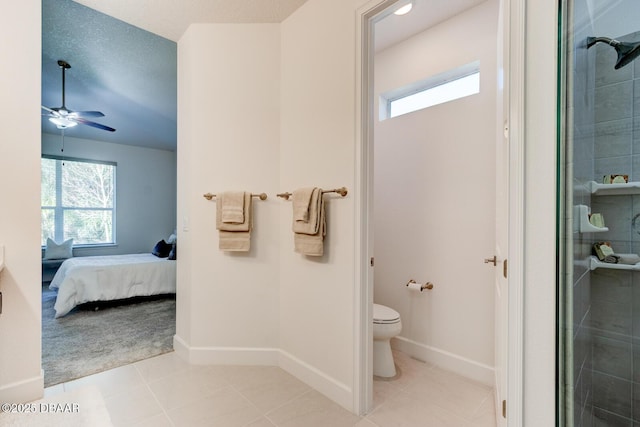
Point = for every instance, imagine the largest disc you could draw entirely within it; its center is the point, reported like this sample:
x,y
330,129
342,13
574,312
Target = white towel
x,y
630,259
232,204
301,202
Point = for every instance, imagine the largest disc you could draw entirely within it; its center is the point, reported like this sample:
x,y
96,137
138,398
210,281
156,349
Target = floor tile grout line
x,y
487,397
386,402
449,411
310,390
205,394
228,384
262,413
107,397
266,414
234,388
417,376
370,420
164,410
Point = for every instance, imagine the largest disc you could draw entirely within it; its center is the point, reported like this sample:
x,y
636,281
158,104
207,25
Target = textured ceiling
x,y
127,73
123,56
424,14
170,18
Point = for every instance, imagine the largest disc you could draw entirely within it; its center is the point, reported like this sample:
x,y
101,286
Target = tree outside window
x,y
78,201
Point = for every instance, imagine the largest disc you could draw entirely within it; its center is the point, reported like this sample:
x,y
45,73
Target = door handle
x,y
493,260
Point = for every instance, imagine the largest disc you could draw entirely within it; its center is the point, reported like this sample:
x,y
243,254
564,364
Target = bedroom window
x,y
78,201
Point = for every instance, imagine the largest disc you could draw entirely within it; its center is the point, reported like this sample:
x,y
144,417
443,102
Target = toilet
x,y
386,325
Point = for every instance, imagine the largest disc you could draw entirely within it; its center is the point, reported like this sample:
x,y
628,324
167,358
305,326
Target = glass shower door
x,y
599,214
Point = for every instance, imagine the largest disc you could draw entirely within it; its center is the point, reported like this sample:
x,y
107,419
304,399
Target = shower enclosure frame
x,y
564,397
596,358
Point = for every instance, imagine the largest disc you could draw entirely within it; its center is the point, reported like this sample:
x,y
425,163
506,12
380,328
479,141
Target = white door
x,y
502,224
501,277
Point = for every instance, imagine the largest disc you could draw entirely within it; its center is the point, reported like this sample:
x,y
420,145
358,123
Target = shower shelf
x,y
614,189
596,263
583,225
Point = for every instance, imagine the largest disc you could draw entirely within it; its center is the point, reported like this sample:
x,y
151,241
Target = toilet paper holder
x,y
427,285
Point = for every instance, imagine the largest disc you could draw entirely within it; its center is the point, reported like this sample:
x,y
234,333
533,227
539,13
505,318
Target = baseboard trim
x,y
225,355
313,377
452,362
23,391
330,387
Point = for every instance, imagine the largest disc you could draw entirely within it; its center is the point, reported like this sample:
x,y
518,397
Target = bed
x,y
106,278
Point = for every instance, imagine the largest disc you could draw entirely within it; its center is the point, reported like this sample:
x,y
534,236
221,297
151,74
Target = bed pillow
x,y
161,249
172,253
54,250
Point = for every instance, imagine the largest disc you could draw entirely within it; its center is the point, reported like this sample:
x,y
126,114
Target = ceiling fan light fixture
x,y
62,123
64,118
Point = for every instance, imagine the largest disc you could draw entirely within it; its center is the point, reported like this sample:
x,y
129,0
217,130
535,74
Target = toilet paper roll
x,y
414,287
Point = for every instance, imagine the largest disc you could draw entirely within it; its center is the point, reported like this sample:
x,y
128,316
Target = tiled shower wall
x,y
579,158
615,295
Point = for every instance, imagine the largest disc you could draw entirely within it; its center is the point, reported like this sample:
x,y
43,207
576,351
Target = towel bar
x,y
341,191
262,196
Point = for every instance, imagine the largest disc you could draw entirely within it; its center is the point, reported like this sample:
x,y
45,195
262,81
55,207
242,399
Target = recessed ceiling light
x,y
404,9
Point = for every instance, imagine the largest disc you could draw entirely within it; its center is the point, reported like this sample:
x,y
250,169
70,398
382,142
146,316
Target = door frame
x,y
514,34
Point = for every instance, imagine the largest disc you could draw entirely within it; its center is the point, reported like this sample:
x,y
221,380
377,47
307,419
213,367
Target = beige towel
x,y
312,225
234,241
301,203
232,206
224,226
312,244
235,237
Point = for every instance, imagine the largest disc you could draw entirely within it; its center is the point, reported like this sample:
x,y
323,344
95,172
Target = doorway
x,y
141,207
424,339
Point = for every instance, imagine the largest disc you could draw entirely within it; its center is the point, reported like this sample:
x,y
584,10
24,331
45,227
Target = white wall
x,y
145,190
228,136
20,373
317,317
329,34
434,207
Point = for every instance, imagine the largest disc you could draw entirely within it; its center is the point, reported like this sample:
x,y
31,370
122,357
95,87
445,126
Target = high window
x,y
78,201
448,86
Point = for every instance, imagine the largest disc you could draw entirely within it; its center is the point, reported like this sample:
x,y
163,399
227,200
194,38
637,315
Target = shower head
x,y
627,51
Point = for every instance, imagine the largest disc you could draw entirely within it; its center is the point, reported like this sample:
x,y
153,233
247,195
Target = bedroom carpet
x,y
87,340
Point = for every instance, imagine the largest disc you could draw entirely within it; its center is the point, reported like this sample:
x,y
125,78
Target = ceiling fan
x,y
64,118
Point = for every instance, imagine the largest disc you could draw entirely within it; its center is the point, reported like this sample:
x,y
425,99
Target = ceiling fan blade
x,y
93,124
64,118
86,114
51,111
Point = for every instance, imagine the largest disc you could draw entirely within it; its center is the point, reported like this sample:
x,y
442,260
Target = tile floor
x,y
166,391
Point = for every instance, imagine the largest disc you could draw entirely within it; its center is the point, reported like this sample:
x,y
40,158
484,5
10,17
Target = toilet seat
x,y
384,315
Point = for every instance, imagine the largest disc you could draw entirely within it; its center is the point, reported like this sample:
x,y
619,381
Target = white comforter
x,y
105,278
